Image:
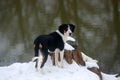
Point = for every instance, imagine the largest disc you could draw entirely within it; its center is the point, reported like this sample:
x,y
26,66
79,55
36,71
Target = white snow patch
x,y
87,58
70,38
26,71
110,77
91,64
68,47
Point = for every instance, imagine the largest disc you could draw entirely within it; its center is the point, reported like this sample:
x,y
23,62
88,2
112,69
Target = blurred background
x,y
97,28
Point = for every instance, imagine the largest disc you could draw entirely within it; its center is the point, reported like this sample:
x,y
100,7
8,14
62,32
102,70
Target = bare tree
x,y
116,25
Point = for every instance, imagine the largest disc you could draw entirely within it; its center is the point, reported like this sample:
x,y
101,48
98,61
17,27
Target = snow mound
x,y
69,38
26,71
68,47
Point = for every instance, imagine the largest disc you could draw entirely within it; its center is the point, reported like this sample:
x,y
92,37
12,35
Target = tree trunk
x,y
116,25
76,55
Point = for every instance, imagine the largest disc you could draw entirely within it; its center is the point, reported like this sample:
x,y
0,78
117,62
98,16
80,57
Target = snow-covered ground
x,y
27,71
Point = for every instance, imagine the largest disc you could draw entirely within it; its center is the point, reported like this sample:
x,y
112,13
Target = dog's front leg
x,y
56,56
62,58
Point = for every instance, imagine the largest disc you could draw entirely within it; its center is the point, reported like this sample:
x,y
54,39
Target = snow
x,y
91,64
70,38
68,47
27,71
87,58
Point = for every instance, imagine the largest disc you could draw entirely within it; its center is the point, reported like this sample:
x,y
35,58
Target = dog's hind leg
x,y
44,59
37,64
36,55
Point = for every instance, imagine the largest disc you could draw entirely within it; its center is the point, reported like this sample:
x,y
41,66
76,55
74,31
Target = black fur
x,y
64,27
50,42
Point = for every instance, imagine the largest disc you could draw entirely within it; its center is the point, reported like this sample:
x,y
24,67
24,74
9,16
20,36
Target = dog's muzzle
x,y
70,34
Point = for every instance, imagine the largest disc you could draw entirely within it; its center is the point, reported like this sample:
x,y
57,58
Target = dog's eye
x,y
66,29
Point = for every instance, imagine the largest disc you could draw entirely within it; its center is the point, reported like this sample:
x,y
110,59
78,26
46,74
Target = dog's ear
x,y
72,27
62,28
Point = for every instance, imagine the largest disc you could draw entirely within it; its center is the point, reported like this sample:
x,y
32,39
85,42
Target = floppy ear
x,y
72,27
62,28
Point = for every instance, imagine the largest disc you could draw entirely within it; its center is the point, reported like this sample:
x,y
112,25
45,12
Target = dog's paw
x,y
42,71
61,66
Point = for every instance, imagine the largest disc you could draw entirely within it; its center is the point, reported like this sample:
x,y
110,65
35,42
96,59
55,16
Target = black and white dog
x,y
53,42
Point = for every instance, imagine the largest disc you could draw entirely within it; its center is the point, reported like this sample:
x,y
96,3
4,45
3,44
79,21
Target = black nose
x,y
70,34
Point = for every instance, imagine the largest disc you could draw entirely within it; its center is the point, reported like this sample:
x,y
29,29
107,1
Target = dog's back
x,y
49,42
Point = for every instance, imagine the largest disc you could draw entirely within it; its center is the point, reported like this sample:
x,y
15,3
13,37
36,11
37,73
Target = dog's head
x,y
66,29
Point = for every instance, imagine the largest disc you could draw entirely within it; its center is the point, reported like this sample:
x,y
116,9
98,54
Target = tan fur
x,y
34,45
40,45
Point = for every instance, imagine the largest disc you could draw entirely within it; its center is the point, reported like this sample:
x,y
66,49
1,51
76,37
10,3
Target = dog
x,y
52,43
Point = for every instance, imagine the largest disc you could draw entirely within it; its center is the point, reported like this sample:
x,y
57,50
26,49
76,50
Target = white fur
x,y
87,58
40,58
61,58
64,37
69,31
56,56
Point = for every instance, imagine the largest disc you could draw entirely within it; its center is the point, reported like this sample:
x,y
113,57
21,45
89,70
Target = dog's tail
x,y
34,59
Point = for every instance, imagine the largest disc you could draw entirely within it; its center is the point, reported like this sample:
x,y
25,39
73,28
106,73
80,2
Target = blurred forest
x,y
97,28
